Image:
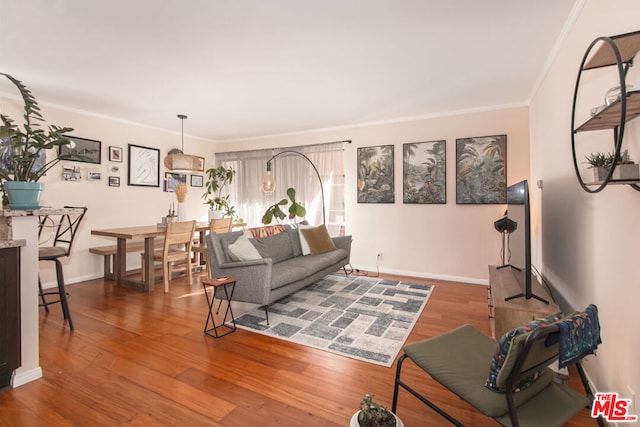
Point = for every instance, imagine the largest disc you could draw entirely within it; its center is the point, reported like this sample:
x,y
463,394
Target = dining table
x,y
149,233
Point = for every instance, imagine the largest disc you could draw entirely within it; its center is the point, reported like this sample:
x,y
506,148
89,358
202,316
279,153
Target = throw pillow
x,y
504,359
318,239
304,246
243,250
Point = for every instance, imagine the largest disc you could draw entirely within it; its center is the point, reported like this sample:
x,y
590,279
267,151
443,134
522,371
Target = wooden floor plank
x,y
140,359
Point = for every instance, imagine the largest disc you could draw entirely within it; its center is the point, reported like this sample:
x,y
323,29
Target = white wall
x,y
589,242
448,241
110,206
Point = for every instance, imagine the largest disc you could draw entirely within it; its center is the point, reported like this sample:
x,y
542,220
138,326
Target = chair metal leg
x,y
63,293
42,298
399,383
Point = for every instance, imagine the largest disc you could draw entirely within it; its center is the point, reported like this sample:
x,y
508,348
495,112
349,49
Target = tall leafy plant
x,y
22,146
217,179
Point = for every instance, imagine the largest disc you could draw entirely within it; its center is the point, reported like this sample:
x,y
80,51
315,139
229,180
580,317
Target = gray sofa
x,y
282,268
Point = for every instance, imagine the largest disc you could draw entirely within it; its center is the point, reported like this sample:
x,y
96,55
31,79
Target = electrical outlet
x,y
379,255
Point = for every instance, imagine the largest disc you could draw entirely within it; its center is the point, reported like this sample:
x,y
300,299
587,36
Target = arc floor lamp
x,y
269,182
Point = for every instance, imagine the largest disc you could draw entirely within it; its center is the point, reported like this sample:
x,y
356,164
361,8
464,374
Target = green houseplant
x,y
625,167
276,210
21,148
217,179
372,414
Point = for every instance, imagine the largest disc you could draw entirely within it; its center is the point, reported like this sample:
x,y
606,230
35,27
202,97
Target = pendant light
x,y
176,160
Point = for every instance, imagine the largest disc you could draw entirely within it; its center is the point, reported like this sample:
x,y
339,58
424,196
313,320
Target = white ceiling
x,y
244,68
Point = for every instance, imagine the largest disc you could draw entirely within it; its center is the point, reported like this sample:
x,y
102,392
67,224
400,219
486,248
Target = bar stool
x,y
65,232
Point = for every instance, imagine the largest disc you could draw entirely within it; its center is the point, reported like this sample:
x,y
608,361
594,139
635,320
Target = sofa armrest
x,y
253,279
342,242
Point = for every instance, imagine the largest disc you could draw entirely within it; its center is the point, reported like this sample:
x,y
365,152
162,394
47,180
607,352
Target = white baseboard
x,y
21,378
423,275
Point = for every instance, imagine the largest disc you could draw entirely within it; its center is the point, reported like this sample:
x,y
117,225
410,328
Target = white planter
x,y
354,420
628,171
182,212
215,214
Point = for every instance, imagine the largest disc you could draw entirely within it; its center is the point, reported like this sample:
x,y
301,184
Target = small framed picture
x,y
94,176
114,181
197,181
115,154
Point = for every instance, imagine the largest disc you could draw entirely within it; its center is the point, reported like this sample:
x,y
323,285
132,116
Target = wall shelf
x,y
618,52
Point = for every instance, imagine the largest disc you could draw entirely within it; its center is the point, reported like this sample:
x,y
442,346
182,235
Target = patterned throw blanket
x,y
579,336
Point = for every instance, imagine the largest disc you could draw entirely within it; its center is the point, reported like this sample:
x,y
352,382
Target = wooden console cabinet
x,y
9,313
506,315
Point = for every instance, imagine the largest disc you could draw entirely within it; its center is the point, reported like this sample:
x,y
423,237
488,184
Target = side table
x,y
210,327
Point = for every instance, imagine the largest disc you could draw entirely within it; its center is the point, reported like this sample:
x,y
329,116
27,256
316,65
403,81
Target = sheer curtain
x,y
289,170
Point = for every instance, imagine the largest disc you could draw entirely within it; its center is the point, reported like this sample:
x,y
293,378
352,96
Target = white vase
x,y
215,214
182,212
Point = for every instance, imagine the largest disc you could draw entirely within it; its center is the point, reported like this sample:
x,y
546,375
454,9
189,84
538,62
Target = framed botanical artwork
x,y
424,172
114,181
197,181
144,166
375,174
171,179
115,154
481,170
89,149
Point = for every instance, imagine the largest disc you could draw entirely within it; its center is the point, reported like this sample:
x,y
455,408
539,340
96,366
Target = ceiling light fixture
x,y
176,160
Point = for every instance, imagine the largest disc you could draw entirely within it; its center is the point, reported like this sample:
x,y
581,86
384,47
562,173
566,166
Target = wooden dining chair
x,y
222,225
178,241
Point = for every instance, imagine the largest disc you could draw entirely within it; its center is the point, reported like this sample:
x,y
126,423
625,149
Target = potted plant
x,y
625,167
217,180
276,211
23,152
372,414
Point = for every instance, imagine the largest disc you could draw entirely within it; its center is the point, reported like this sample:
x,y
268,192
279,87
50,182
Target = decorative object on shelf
x,y
275,210
176,160
91,149
424,172
621,105
375,174
625,168
115,154
269,183
144,166
217,180
23,151
181,195
481,170
372,414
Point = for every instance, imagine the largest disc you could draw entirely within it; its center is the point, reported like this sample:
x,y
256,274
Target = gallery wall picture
x,y
114,181
197,181
375,174
481,170
144,166
89,149
424,178
115,154
171,179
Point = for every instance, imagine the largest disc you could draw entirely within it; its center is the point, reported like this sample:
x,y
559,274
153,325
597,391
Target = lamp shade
x,y
186,162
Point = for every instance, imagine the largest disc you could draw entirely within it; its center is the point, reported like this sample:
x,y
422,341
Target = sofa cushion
x,y
318,239
243,250
277,247
304,246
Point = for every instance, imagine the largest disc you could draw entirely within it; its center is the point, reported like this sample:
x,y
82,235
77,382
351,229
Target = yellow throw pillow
x,y
318,239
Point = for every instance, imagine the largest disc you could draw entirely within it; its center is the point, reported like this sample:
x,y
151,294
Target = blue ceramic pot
x,y
23,195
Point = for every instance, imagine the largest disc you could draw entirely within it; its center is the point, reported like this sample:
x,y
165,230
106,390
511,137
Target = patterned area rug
x,y
359,317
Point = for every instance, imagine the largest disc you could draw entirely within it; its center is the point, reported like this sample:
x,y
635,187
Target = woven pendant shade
x,y
176,160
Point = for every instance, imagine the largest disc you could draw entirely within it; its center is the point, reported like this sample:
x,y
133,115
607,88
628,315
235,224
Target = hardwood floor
x,y
142,359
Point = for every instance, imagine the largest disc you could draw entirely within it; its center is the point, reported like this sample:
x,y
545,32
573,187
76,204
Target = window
x,y
289,170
